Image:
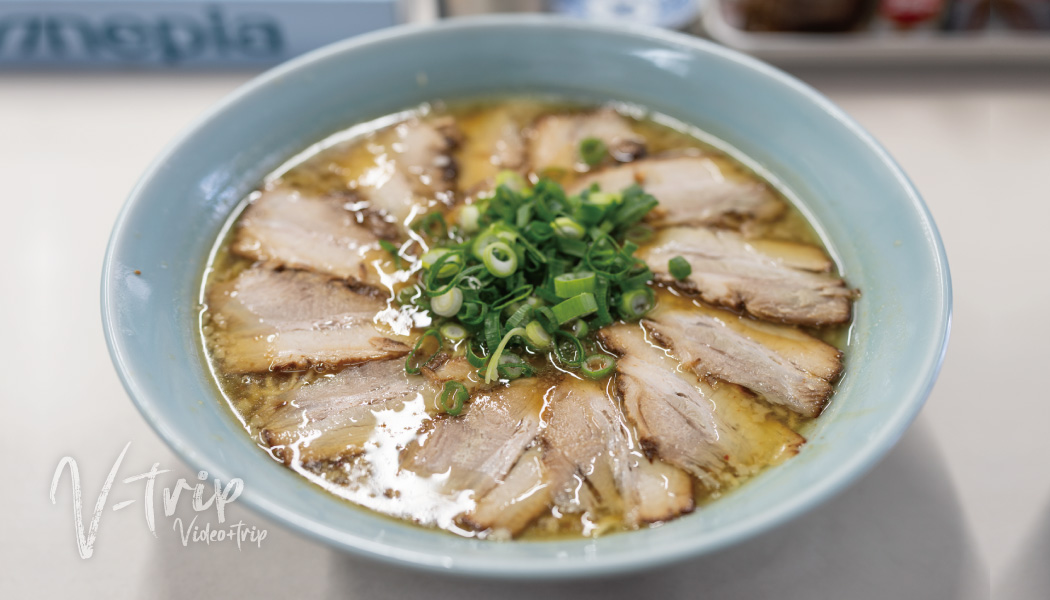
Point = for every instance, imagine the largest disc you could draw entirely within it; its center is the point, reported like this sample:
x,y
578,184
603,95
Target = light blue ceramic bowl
x,y
872,218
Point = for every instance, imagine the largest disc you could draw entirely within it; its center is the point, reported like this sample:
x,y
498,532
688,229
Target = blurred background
x,y
958,91
190,33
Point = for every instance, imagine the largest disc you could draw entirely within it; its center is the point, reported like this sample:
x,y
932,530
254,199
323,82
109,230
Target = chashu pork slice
x,y
691,191
710,431
589,436
415,168
268,320
555,139
587,461
492,142
772,280
287,228
784,365
475,450
334,416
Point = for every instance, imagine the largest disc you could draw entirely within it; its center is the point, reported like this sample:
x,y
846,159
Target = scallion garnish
x,y
568,285
499,258
597,366
679,268
537,336
452,397
447,304
578,306
453,332
392,250
476,359
566,227
468,218
579,328
413,363
490,373
532,270
592,151
559,349
636,303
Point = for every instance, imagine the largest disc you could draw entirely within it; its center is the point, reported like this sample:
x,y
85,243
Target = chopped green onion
x,y
512,367
546,318
393,250
409,295
639,233
490,373
592,151
577,348
476,359
482,241
413,364
447,304
568,285
635,303
536,335
453,332
499,259
468,218
432,224
492,330
597,366
579,328
518,317
530,269
567,228
601,296
679,268
572,247
578,306
448,269
512,180
472,313
515,296
603,199
452,397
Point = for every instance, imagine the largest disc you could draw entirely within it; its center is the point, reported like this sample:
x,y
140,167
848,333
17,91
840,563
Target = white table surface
x,y
966,493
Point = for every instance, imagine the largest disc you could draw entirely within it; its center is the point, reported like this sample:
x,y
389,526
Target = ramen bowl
x,y
871,218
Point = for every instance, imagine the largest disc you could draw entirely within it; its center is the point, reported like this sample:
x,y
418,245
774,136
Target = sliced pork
x,y
691,191
784,365
555,142
774,281
415,168
287,228
334,416
680,418
522,496
493,142
588,434
475,450
586,462
270,320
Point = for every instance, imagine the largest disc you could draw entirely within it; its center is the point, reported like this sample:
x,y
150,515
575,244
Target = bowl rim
x,y
863,459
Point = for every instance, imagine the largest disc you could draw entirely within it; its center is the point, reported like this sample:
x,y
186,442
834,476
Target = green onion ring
x,y
458,394
490,373
476,359
414,369
500,266
597,366
577,347
568,285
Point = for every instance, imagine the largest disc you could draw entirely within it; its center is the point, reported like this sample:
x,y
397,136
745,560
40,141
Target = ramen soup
x,y
521,318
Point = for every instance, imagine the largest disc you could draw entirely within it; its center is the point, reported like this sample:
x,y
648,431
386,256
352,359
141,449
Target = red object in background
x,y
909,13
